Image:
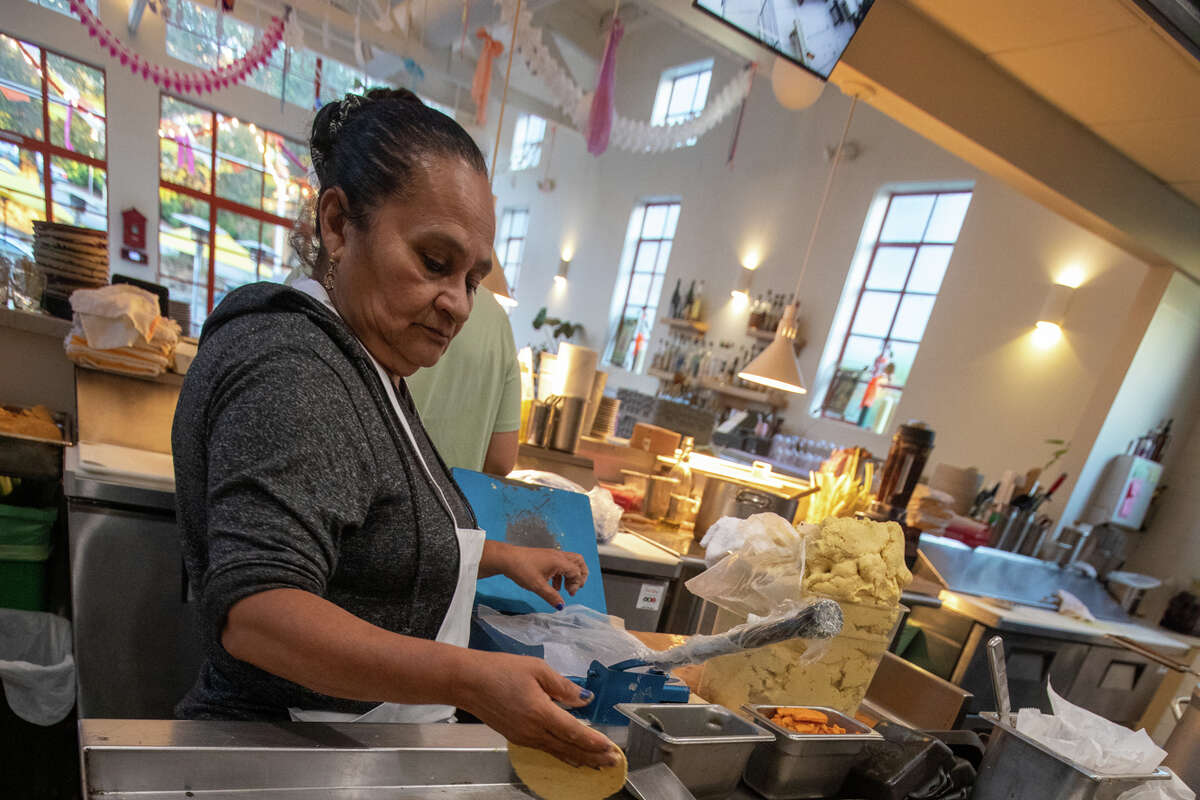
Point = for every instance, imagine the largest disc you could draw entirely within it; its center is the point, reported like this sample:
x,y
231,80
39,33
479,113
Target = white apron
x,y
456,625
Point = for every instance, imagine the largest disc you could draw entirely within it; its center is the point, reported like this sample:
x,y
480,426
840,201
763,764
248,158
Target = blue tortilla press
x,y
632,681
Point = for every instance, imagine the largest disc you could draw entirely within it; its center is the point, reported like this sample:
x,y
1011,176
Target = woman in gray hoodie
x,y
333,556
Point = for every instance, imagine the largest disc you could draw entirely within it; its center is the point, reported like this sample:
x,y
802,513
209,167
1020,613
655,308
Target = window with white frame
x,y
62,6
903,255
195,34
643,268
528,135
510,243
682,93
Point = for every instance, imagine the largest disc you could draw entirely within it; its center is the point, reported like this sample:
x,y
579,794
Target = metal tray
x,y
800,765
32,457
1015,765
706,746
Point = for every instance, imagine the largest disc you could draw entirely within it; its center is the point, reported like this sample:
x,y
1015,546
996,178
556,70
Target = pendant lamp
x,y
776,367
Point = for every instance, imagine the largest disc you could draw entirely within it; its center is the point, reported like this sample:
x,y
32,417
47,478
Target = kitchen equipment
x,y
1122,495
658,496
706,746
531,516
995,654
734,490
1016,766
911,447
539,422
620,684
821,620
34,457
1183,745
1128,588
799,765
905,763
656,782
681,510
158,758
566,424
1066,546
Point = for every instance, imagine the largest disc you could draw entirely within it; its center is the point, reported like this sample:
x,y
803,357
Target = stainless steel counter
x,y
161,759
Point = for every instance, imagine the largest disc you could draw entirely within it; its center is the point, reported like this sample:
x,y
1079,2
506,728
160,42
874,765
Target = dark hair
x,y
369,144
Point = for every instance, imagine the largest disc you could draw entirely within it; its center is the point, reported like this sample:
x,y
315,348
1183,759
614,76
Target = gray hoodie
x,y
292,471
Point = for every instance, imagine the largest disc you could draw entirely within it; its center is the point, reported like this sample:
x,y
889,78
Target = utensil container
x,y
798,765
1016,766
706,746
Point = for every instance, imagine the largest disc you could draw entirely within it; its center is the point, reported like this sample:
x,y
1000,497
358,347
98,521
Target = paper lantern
x,y
794,88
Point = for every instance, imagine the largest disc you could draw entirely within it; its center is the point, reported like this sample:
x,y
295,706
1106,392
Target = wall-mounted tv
x,y
812,33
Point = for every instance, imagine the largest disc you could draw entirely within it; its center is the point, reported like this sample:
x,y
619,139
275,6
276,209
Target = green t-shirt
x,y
475,388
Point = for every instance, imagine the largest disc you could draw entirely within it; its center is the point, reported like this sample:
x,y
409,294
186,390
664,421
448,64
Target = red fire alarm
x,y
134,224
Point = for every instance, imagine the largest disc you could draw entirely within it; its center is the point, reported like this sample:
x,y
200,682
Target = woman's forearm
x,y
308,640
495,559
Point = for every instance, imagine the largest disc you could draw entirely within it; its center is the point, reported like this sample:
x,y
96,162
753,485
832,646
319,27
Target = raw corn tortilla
x,y
551,778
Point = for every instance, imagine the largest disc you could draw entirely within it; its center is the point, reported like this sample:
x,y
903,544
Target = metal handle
x,y
752,497
1177,706
995,651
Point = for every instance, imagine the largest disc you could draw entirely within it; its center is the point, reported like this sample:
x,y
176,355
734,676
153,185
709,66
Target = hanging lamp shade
x,y
776,367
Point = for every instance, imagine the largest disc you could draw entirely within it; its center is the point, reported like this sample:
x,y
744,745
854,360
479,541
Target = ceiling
x,y
1103,62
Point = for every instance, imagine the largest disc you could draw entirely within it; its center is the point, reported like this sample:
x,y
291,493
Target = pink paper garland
x,y
187,82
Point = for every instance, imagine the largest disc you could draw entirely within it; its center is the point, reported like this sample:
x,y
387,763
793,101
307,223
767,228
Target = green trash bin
x,y
24,547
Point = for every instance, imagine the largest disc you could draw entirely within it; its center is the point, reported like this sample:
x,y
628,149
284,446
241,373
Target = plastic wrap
x,y
817,619
571,638
764,570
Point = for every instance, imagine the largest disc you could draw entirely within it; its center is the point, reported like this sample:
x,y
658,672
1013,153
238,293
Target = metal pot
x,y
1183,745
726,497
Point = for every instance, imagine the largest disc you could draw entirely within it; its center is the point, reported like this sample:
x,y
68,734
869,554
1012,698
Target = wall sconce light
x,y
1049,325
564,264
741,292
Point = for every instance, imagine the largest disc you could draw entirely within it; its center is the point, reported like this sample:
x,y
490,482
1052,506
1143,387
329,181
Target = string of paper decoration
x,y
277,31
627,134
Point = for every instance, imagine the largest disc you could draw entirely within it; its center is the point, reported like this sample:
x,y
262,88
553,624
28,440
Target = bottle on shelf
x,y
685,309
676,299
696,310
756,314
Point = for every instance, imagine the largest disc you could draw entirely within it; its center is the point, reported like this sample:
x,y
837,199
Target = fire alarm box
x,y
134,229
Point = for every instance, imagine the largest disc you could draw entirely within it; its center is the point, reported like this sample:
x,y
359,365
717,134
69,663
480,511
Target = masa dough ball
x,y
551,778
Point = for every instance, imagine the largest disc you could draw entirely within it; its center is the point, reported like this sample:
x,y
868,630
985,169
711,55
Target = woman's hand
x,y
515,696
541,570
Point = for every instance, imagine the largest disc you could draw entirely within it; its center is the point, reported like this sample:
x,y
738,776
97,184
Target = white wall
x,y
978,381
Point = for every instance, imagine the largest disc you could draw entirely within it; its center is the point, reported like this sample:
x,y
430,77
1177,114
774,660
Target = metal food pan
x,y
706,746
32,457
1015,765
804,765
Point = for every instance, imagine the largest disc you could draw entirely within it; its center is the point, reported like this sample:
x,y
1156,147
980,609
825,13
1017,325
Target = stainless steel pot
x,y
1183,745
726,497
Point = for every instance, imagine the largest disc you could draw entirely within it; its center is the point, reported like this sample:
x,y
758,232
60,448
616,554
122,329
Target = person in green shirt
x,y
470,401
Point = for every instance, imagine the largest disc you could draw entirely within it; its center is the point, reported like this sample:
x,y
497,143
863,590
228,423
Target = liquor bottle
x,y
697,308
676,299
686,308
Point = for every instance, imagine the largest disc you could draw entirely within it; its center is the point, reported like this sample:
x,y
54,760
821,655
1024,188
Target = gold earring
x,y
327,281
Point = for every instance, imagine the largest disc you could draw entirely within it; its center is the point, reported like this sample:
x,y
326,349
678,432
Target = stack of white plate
x,y
606,417
72,258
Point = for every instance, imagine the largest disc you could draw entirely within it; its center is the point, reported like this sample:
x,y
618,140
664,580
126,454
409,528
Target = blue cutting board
x,y
534,516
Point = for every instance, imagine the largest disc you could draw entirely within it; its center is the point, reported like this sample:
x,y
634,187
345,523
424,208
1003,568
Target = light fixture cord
x,y
512,45
837,158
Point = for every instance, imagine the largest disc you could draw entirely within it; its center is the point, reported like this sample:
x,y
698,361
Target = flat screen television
x,y
811,33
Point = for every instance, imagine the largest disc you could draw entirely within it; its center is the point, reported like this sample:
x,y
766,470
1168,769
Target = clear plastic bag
x,y
763,572
571,638
822,621
36,665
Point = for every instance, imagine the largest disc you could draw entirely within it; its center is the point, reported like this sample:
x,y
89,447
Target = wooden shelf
x,y
755,333
773,399
691,326
766,398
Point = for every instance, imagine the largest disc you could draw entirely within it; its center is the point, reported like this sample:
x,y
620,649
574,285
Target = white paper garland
x,y
628,134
